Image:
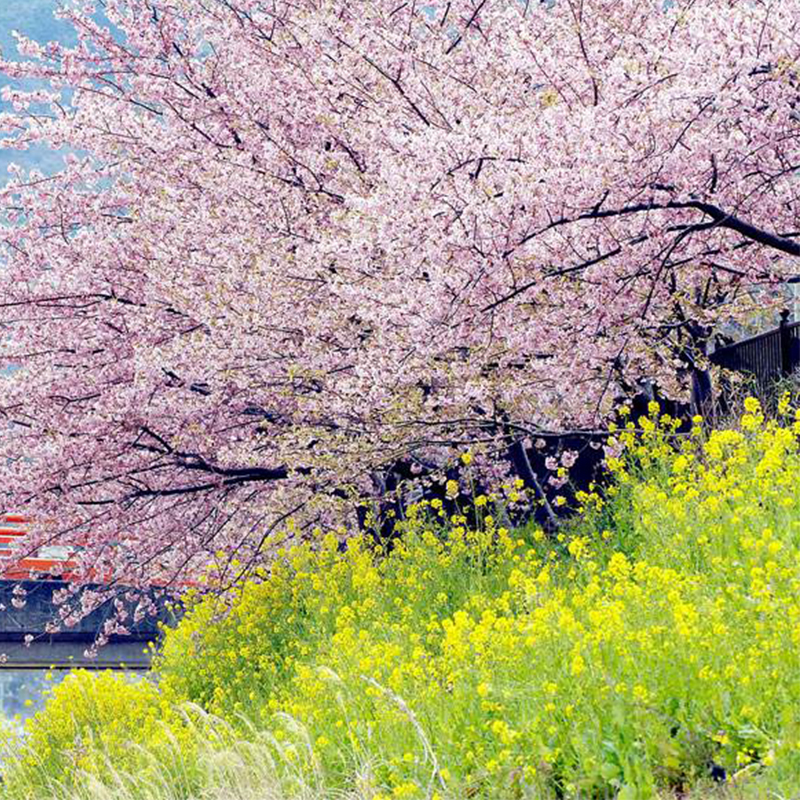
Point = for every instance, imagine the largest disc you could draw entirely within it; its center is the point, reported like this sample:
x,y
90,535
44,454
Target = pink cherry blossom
x,y
297,242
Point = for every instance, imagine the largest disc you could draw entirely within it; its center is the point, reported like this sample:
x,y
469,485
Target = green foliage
x,y
655,640
93,723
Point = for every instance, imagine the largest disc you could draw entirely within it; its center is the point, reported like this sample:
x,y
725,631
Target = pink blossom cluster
x,y
301,241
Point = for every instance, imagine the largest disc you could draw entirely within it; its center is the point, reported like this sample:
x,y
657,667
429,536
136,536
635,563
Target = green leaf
x,y
610,771
628,792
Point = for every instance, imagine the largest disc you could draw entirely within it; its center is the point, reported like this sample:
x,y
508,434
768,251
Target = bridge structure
x,y
27,637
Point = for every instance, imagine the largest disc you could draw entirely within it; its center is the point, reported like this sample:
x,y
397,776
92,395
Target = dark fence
x,y
768,356
27,642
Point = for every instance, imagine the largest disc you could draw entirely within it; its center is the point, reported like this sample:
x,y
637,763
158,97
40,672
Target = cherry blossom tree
x,y
296,242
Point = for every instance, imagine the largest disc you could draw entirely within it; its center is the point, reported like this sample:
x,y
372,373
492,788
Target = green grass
x,y
653,641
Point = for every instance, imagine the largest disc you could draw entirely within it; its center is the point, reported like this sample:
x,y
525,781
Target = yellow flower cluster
x,y
657,634
92,724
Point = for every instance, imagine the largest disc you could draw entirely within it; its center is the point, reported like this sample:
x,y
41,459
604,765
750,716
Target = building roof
x,y
53,562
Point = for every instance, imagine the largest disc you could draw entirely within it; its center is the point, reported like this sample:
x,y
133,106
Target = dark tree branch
x,y
722,219
466,27
554,273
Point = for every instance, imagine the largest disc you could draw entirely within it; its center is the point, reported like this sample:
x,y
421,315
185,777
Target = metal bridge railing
x,y
767,356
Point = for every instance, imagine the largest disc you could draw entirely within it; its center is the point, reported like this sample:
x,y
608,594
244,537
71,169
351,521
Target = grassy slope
x,y
652,645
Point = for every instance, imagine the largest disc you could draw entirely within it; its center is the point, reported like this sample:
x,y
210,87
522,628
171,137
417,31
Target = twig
x,y
403,706
551,515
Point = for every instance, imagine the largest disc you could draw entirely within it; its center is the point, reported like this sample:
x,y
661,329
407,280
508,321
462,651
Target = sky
x,y
34,18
